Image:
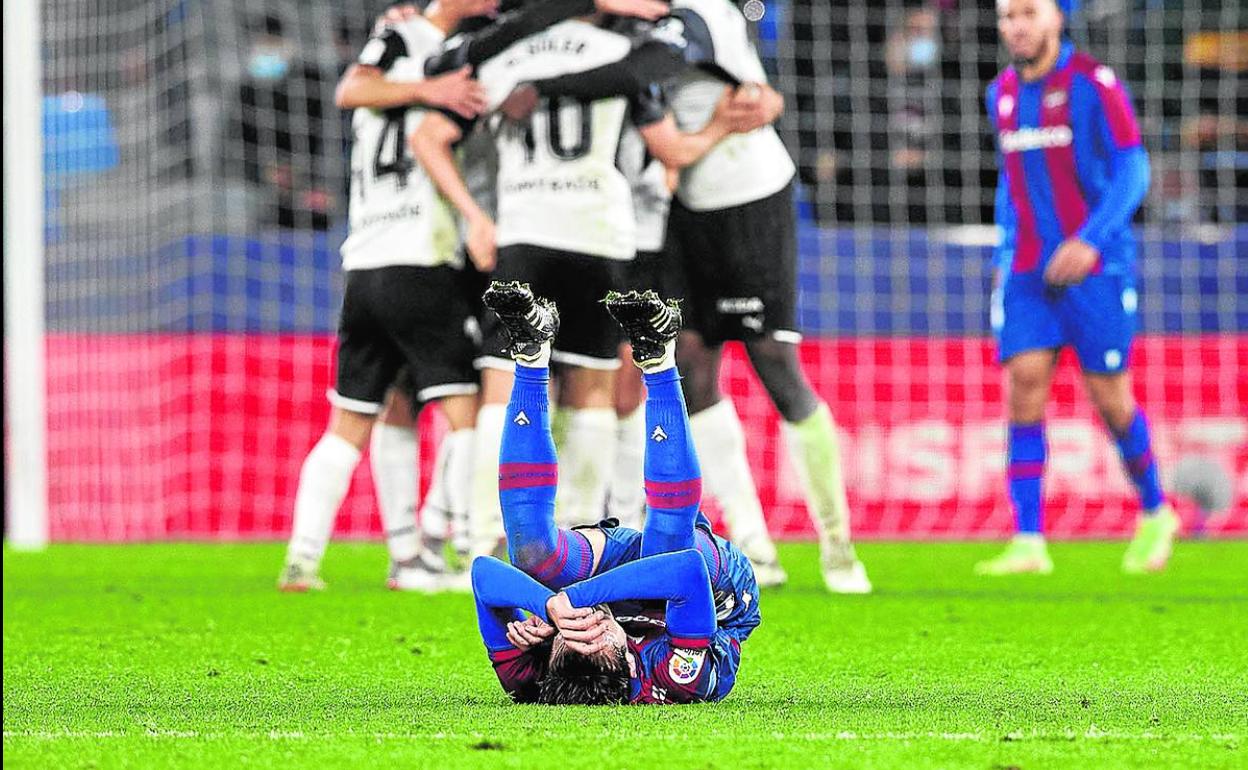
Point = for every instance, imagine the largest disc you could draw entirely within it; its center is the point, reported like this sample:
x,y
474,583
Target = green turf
x,y
184,655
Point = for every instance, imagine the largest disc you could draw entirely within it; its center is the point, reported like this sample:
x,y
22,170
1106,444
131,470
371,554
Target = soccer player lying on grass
x,y
617,615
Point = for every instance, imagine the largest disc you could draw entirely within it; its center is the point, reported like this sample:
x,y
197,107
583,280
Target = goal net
x,y
195,177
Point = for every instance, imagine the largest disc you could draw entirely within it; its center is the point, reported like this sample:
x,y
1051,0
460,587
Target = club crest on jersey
x,y
685,664
1105,76
1005,105
1054,99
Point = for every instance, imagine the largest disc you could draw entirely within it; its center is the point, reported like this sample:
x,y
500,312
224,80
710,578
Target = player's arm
x,y
1007,224
474,48
1103,100
1003,214
433,144
678,578
1116,127
513,642
365,83
676,149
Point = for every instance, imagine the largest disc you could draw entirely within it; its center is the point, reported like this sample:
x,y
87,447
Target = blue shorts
x,y
1096,317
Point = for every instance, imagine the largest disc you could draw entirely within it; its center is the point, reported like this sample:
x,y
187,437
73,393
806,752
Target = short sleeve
x,y
697,42
383,50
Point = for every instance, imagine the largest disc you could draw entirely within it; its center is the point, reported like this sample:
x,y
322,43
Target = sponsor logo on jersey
x,y
1035,138
685,664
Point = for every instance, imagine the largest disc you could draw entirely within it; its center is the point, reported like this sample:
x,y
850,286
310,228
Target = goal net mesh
x,y
195,168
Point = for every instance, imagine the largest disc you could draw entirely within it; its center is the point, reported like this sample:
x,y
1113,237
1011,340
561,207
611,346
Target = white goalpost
x,y
25,457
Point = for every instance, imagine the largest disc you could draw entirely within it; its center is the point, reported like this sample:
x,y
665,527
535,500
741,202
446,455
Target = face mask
x,y
267,66
921,52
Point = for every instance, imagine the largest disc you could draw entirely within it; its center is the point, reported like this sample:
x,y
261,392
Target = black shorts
x,y
646,271
588,336
403,316
736,269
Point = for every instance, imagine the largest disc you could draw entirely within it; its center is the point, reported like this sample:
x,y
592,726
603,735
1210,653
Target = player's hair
x,y
579,680
573,679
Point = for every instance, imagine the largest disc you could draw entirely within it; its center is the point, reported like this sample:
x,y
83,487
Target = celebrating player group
x,y
610,170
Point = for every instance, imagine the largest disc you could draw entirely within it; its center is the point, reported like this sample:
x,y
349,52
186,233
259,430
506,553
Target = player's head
x,y
600,679
1030,29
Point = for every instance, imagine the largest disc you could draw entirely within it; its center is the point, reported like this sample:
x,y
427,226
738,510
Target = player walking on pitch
x,y
1073,172
617,615
403,305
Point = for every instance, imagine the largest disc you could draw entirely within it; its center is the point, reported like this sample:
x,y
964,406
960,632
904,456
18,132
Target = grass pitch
x,y
185,655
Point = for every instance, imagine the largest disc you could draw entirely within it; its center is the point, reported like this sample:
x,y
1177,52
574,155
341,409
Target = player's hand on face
x,y
456,91
481,244
396,15
650,10
1071,263
528,633
520,103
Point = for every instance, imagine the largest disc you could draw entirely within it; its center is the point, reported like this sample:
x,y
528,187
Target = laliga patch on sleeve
x,y
685,664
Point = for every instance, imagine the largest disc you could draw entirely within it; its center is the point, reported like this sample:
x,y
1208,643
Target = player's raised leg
x,y
528,469
673,478
1030,376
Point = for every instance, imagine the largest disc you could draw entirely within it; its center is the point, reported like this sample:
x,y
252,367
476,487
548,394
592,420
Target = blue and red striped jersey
x,y
1071,163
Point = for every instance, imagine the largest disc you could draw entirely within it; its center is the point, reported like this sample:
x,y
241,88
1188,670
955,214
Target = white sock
x,y
726,476
585,463
626,499
394,456
435,511
445,512
485,514
814,448
323,483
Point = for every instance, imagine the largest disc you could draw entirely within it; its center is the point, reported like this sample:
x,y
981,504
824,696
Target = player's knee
x,y
528,557
354,427
699,371
1111,395
781,373
482,567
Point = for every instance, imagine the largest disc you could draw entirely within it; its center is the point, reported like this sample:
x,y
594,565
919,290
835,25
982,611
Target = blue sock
x,y
528,476
1137,456
673,477
1026,452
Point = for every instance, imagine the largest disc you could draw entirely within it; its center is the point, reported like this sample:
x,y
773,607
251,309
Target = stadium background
x,y
193,214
